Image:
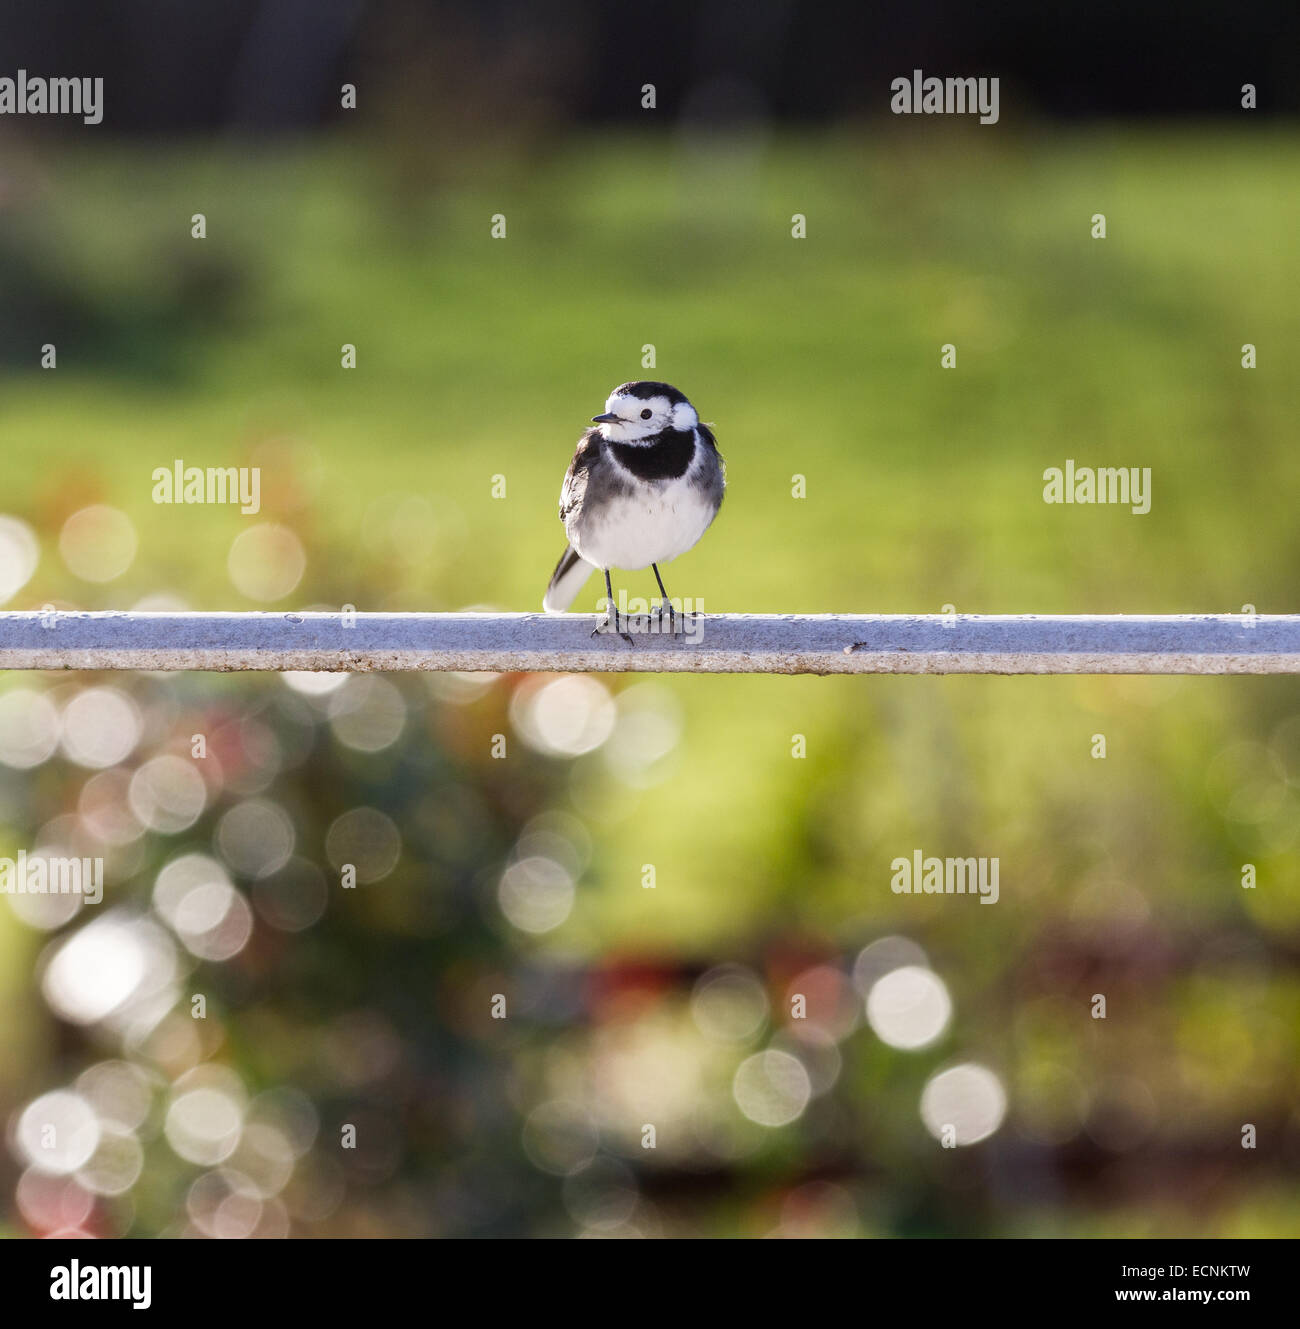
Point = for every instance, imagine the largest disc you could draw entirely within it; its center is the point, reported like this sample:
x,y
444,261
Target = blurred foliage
x,y
819,357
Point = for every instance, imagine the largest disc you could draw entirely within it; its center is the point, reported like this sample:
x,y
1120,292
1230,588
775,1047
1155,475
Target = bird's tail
x,y
571,572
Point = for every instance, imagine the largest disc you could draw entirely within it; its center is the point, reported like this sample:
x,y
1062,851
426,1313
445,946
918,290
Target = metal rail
x,y
712,643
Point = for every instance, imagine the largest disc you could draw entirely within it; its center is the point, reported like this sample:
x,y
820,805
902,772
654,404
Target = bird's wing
x,y
719,478
587,456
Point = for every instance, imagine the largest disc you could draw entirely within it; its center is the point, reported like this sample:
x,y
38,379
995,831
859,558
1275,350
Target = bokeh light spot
x,y
19,555
58,1132
966,1102
266,562
909,1008
29,728
536,894
771,1088
98,543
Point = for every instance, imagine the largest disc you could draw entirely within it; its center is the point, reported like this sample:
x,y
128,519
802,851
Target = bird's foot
x,y
613,622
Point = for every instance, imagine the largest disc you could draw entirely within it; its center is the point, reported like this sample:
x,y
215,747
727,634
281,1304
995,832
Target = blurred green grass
x,y
819,356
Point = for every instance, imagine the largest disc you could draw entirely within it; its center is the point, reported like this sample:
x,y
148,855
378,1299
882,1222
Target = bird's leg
x,y
665,602
611,613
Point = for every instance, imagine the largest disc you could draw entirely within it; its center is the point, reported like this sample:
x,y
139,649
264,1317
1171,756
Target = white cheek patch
x,y
684,416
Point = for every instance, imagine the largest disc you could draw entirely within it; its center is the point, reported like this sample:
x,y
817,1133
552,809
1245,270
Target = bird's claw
x,y
608,624
666,609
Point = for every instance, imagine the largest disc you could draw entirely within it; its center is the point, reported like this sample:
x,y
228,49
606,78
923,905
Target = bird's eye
x,y
647,413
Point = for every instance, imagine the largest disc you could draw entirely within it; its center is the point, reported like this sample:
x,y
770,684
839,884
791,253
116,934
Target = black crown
x,y
643,390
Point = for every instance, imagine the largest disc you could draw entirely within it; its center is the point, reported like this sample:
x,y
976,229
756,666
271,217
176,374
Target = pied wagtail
x,y
643,486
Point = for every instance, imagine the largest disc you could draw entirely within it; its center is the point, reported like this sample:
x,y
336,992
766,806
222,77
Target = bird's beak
x,y
607,419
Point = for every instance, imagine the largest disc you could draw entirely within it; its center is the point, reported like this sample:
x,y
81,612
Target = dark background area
x,y
276,65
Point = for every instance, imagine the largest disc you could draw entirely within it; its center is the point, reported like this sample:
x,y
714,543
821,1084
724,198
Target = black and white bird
x,y
643,486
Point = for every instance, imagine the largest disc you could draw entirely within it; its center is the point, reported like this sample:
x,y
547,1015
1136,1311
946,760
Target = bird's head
x,y
638,411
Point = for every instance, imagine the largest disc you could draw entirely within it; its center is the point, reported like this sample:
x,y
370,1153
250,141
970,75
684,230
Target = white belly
x,y
653,525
